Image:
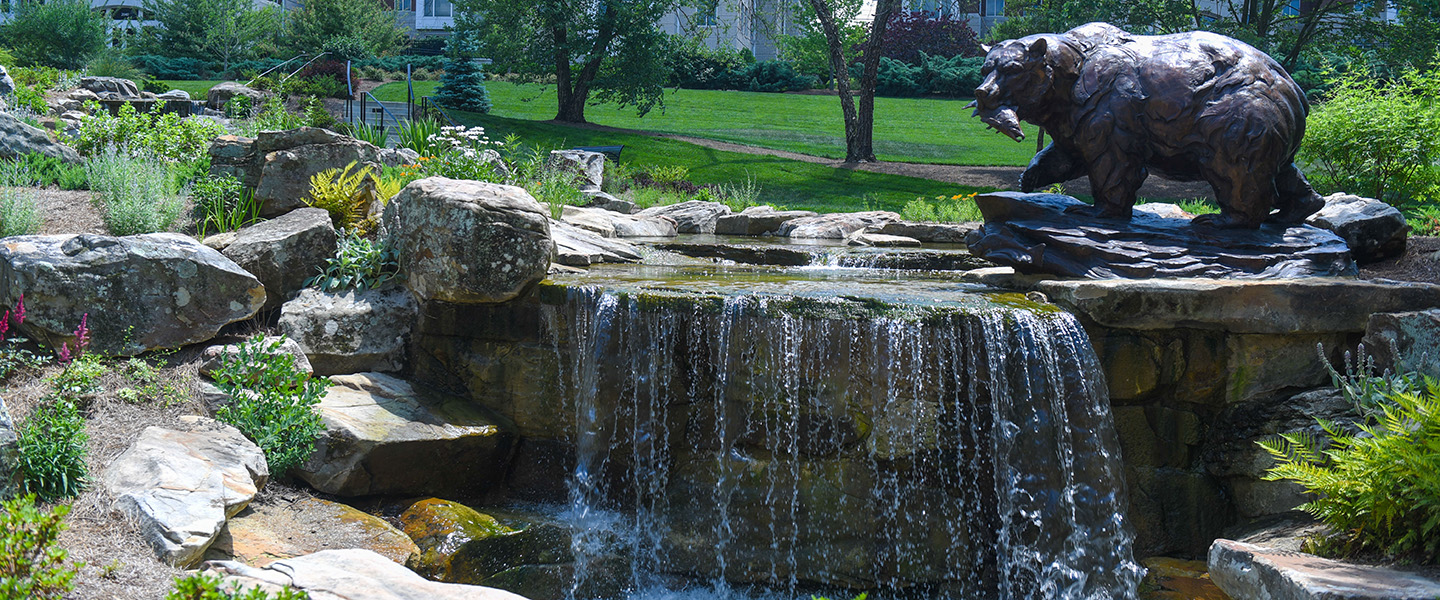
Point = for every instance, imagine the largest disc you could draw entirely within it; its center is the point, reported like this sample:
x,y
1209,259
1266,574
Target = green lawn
x,y
784,183
196,89
906,129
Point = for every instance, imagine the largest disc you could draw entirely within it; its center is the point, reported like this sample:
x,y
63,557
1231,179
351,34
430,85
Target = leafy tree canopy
x,y
64,34
345,28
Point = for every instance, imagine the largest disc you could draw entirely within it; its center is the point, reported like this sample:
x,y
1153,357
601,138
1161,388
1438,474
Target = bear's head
x,y
1018,76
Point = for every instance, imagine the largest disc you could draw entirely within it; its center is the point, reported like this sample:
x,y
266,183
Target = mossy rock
x,y
461,545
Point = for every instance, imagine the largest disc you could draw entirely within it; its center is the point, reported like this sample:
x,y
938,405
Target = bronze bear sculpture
x,y
1188,107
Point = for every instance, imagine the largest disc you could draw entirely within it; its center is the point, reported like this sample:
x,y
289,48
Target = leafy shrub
x,y
344,193
200,586
359,264
31,97
32,566
394,64
1424,220
136,195
463,86
79,382
272,401
271,115
911,34
42,170
239,107
111,63
166,137
178,68
19,212
955,76
51,448
222,204
1376,138
770,76
58,33
698,67
417,135
1379,490
960,208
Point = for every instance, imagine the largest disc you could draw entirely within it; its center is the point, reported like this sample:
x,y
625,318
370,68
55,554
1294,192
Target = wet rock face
x,y
181,485
352,331
524,553
384,436
468,242
141,292
284,252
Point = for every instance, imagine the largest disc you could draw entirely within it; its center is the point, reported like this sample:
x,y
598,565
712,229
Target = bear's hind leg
x,y
1114,179
1050,166
1297,199
1244,199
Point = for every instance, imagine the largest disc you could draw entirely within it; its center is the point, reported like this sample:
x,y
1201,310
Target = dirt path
x,y
1004,178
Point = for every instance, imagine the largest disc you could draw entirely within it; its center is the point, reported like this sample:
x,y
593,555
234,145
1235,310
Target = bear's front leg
x,y
1052,165
1114,179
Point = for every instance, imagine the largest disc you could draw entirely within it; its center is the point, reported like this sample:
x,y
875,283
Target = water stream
x,y
768,441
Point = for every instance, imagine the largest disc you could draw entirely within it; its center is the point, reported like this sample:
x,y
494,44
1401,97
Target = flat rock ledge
x,y
1034,233
1249,571
181,484
348,575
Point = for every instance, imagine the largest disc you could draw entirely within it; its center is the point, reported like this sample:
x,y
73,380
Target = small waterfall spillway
x,y
774,440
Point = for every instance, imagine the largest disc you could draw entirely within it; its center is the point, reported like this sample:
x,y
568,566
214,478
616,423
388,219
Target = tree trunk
x,y
842,75
570,110
573,89
864,149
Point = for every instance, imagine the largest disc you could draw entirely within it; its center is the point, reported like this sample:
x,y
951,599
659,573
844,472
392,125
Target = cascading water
x,y
769,446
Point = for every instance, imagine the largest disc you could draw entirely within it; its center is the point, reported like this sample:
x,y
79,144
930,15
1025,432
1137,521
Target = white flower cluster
x,y
467,141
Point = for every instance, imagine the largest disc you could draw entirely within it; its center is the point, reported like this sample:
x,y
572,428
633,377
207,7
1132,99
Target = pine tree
x,y
463,86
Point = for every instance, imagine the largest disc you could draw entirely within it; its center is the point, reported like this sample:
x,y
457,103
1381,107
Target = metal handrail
x,y
363,111
267,71
428,104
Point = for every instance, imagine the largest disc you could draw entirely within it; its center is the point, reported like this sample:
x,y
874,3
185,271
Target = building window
x,y
405,5
1292,9
994,8
437,8
706,18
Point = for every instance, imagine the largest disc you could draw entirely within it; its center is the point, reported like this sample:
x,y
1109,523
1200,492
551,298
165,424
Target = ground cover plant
x,y
135,195
906,129
359,264
200,586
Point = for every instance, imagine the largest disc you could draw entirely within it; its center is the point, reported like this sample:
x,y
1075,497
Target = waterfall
x,y
771,446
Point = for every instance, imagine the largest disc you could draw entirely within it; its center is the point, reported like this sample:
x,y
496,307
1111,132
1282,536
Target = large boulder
x,y
835,226
576,247
212,355
114,87
141,292
694,216
181,485
347,575
1373,229
224,91
1250,571
352,331
588,167
174,96
283,252
1405,341
758,220
930,233
288,159
385,436
18,139
608,223
467,241
280,528
7,85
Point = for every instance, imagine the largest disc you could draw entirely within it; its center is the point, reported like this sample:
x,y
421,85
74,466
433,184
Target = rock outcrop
x,y
1250,571
466,241
18,139
284,252
181,485
141,292
576,247
348,575
1402,342
610,224
835,226
352,331
385,436
694,216
9,460
111,87
224,91
278,165
758,220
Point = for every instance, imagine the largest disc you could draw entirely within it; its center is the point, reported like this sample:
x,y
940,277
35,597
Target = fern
x,y
344,193
1379,489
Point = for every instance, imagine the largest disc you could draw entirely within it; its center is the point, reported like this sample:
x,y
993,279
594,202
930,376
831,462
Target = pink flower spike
x,y
20,310
4,325
65,354
82,334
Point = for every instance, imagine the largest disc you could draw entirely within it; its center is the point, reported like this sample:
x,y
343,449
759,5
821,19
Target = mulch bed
x,y
1421,262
